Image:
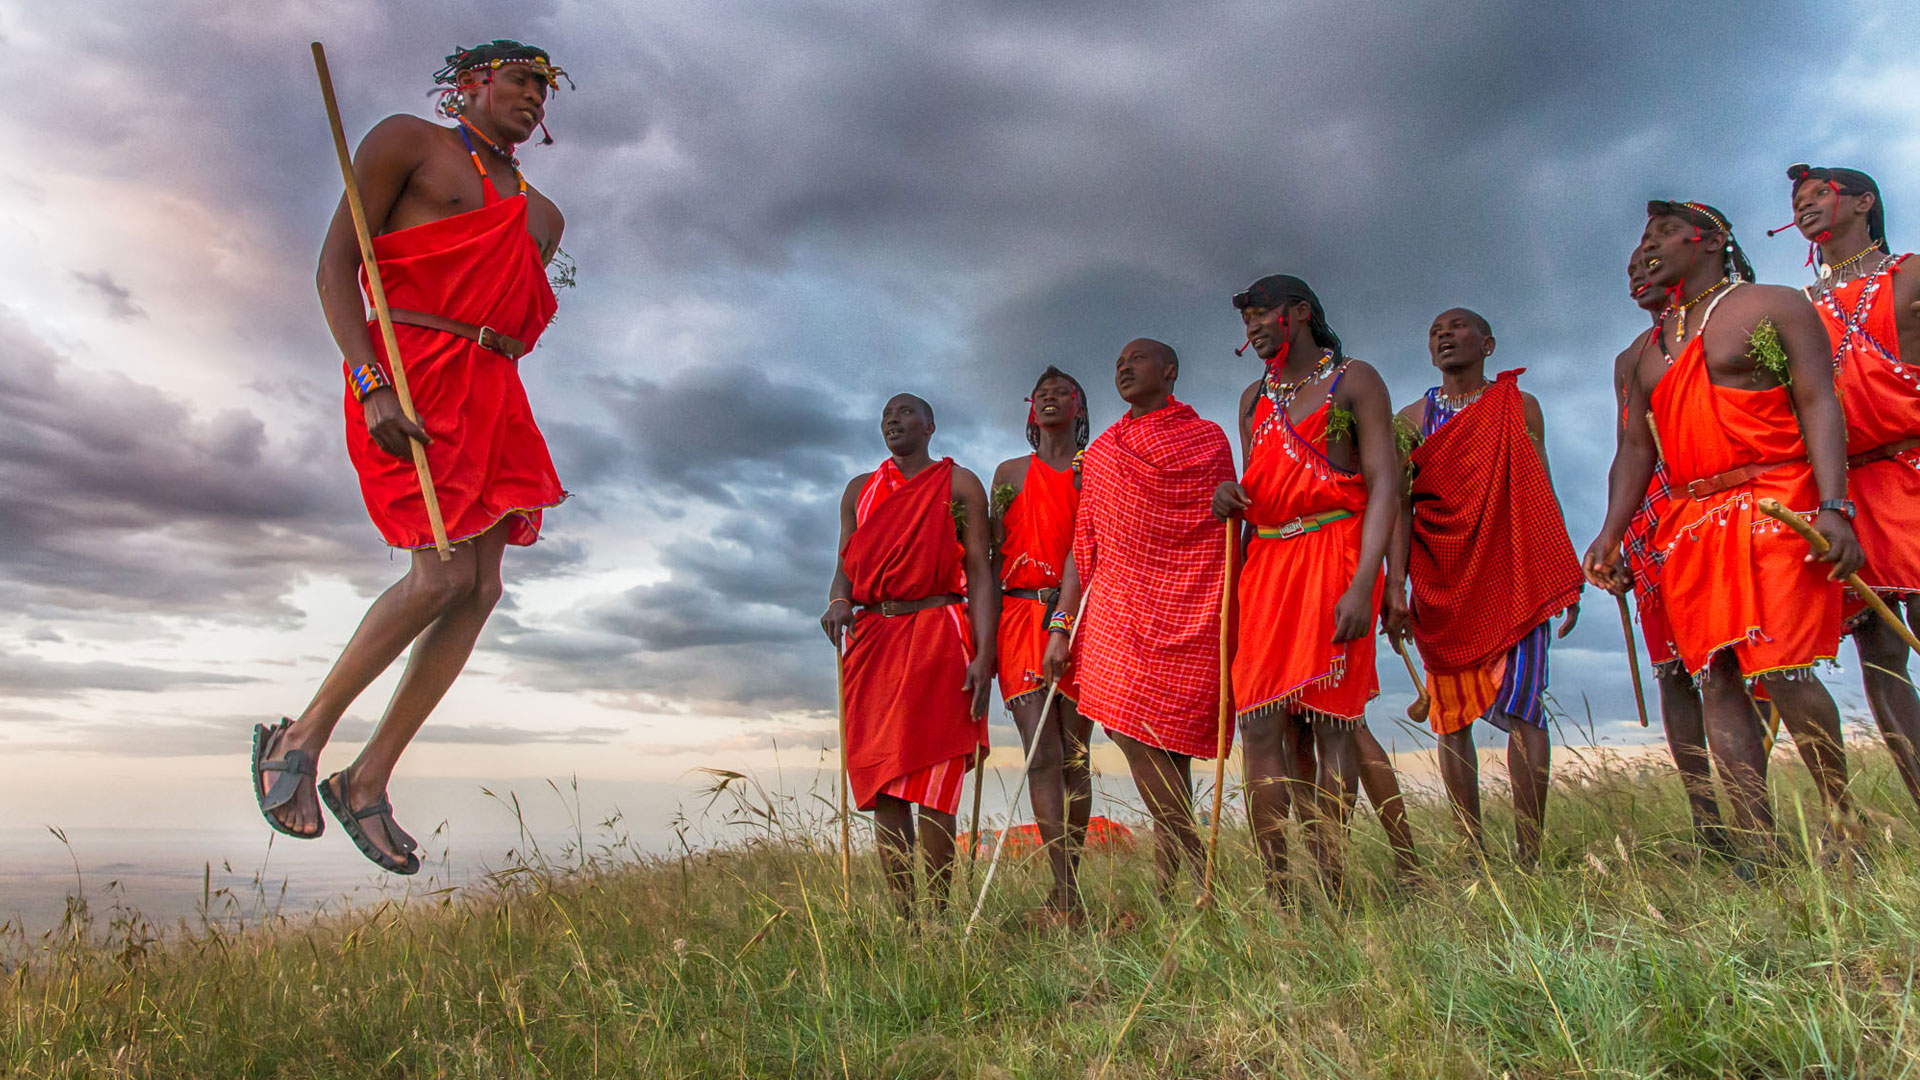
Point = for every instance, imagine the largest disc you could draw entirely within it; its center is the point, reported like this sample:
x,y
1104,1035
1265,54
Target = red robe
x,y
1490,559
488,458
1734,577
1286,657
1147,546
1039,536
1881,397
907,717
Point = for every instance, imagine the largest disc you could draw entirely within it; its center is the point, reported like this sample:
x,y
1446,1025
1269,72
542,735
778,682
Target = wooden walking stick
x,y
1417,712
1039,731
973,839
846,828
1633,658
1226,717
1818,543
379,294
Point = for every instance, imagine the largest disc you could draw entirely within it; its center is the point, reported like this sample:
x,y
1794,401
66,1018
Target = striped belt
x,y
1300,526
891,608
1881,453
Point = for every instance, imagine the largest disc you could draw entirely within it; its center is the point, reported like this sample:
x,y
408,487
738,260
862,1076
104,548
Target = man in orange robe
x,y
1485,548
916,608
462,242
1740,395
1034,498
1153,560
1869,300
1321,492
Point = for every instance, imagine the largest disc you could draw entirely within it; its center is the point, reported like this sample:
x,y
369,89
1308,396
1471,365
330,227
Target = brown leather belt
x,y
1881,453
1699,490
485,336
891,608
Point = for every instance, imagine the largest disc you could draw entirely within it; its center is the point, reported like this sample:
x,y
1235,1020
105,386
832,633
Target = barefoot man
x,y
1869,299
1739,390
1033,501
1154,561
462,239
1486,550
1680,713
913,598
1321,491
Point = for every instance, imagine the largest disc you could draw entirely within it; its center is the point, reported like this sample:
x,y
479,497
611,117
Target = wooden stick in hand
x,y
1633,658
379,294
1417,712
1818,543
1226,715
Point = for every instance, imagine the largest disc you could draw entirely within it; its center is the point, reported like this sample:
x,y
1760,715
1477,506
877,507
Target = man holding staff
x,y
1737,398
461,241
1321,490
914,600
1033,500
1151,556
1485,547
1869,300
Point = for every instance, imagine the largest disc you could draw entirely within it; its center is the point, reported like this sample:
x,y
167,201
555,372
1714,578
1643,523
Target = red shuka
x,y
488,458
1039,536
1881,397
1490,559
1733,576
906,710
1286,657
1147,546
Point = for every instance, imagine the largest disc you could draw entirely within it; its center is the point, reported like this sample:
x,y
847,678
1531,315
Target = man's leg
x,y
1739,751
893,835
1890,693
436,660
936,845
1383,791
1807,710
1332,805
1680,716
1267,752
1166,787
1460,773
1046,791
1529,769
1077,770
408,606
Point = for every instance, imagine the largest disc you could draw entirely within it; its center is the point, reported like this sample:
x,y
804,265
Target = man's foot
x,y
368,819
283,773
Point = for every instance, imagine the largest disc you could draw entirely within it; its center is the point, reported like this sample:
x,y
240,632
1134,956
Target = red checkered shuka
x,y
1153,559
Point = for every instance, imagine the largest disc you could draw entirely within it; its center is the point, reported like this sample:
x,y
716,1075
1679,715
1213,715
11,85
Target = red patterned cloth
x,y
1285,657
1039,535
1734,577
907,716
1881,397
488,458
1491,559
1154,559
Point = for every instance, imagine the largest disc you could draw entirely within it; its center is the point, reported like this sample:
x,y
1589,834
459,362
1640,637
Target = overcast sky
x,y
781,215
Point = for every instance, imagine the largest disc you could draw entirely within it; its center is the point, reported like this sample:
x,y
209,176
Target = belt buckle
x,y
1049,598
1699,489
890,608
1292,529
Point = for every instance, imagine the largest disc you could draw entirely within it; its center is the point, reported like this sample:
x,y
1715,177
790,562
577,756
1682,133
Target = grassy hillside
x,y
1622,958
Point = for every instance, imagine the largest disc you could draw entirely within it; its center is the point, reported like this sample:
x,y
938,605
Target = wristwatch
x,y
1844,506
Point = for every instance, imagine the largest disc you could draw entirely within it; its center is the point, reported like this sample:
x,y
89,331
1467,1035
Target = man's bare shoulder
x,y
964,479
1759,301
855,486
540,205
1362,377
402,131
1413,411
1011,471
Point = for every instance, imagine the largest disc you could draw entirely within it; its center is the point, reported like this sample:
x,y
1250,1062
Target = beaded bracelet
x,y
364,379
1060,623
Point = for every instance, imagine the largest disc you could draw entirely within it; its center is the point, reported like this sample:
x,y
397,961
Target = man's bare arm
x,y
983,591
1822,425
382,166
1366,398
838,618
1627,480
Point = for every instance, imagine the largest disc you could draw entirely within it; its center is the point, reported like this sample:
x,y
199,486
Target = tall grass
x,y
1621,957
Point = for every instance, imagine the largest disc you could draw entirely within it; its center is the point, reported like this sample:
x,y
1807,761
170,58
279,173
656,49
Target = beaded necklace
x,y
1282,393
1682,310
512,162
1455,404
1827,272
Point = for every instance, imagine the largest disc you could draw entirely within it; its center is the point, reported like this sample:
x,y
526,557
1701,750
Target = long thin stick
x,y
973,839
1818,543
379,294
1226,715
1421,705
1633,658
1039,731
840,699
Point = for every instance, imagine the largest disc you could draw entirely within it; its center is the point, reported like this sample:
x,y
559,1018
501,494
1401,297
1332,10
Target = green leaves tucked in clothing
x,y
1767,354
1001,499
1339,424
